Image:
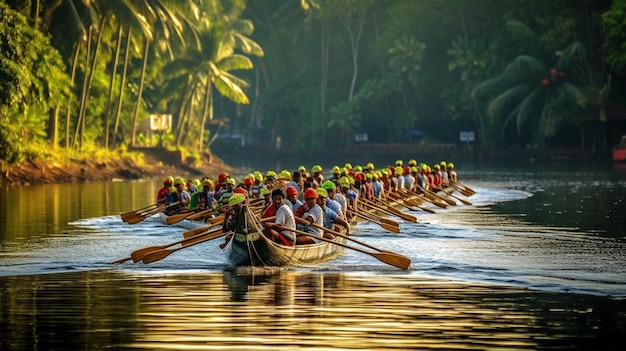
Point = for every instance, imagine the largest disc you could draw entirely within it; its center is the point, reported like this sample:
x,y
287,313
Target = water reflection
x,y
286,309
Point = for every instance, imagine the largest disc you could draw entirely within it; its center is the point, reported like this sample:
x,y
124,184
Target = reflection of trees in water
x,y
278,286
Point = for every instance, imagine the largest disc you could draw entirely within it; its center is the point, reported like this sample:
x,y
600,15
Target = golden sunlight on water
x,y
330,312
270,310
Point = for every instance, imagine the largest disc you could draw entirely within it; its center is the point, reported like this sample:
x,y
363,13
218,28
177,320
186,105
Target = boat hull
x,y
249,247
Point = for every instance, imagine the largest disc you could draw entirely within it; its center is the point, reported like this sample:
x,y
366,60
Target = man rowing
x,y
284,217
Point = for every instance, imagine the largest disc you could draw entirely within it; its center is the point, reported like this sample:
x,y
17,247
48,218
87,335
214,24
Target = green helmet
x,y
329,185
236,199
316,168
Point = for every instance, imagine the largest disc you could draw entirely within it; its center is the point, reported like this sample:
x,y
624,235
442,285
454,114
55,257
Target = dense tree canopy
x,y
86,74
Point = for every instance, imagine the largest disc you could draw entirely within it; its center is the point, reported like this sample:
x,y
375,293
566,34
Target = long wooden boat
x,y
249,247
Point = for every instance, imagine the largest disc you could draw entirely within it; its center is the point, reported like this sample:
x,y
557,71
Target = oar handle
x,y
391,259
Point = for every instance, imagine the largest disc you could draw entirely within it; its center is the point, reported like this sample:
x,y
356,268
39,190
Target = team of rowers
x,y
303,200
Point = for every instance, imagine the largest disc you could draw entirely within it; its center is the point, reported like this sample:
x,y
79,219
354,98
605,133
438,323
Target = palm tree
x,y
533,94
209,65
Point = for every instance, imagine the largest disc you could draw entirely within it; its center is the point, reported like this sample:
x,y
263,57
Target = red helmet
x,y
241,191
407,170
222,176
291,191
310,193
248,181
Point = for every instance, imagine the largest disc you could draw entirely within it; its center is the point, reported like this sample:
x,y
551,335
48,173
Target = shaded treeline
x,y
83,75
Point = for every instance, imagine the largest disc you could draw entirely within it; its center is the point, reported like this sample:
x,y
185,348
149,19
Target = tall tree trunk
x,y
83,98
53,126
107,113
141,84
90,74
208,102
68,115
122,84
323,73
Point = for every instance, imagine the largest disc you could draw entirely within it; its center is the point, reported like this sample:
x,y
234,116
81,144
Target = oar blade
x,y
396,260
177,218
194,232
390,228
156,255
138,255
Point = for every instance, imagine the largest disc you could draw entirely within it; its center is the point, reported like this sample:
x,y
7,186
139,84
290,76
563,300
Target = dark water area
x,y
106,309
537,262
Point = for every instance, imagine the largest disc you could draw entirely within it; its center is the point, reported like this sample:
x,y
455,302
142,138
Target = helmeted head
x,y
329,186
291,191
321,192
236,199
265,191
241,191
310,194
316,169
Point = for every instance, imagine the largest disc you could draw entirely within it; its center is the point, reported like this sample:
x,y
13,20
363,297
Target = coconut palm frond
x,y
235,62
529,108
523,66
490,87
572,53
573,93
249,46
229,89
508,98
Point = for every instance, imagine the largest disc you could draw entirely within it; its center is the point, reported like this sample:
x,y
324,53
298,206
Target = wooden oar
x,y
389,227
433,194
388,210
138,255
178,217
464,190
465,202
193,232
132,216
428,199
150,213
163,253
396,260
133,213
411,202
333,232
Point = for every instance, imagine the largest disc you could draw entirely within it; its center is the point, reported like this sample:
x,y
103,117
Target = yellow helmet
x,y
336,170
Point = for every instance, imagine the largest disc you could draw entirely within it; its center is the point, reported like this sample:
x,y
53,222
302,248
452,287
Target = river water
x,y
537,262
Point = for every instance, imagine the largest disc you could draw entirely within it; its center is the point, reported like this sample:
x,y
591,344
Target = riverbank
x,y
145,164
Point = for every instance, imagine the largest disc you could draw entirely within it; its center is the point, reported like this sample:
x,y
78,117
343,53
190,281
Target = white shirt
x,y
284,217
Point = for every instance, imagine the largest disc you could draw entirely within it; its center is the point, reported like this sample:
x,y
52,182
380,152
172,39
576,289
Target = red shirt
x,y
269,211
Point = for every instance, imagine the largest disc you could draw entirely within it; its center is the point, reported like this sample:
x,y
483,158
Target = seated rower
x,y
284,217
331,218
235,204
310,212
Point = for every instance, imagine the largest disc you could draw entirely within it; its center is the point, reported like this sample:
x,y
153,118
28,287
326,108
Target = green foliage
x,y
614,24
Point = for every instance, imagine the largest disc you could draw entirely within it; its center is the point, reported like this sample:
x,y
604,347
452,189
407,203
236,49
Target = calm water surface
x,y
537,262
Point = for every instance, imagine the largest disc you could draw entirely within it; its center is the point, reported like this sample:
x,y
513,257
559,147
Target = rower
x,y
284,217
162,194
331,218
310,211
235,203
